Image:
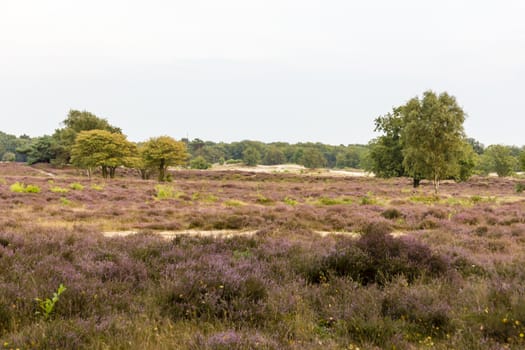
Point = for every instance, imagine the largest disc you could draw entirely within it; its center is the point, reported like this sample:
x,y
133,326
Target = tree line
x,y
422,139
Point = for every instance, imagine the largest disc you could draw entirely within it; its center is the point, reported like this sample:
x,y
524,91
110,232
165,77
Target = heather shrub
x,y
424,309
377,257
391,213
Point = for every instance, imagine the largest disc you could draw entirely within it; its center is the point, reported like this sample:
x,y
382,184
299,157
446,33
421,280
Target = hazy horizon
x,y
290,71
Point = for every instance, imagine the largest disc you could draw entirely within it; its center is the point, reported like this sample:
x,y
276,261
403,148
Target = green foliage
x,y
100,148
65,201
8,157
386,152
290,201
251,156
199,162
58,189
433,136
274,156
166,192
76,186
162,152
47,305
498,159
22,188
520,187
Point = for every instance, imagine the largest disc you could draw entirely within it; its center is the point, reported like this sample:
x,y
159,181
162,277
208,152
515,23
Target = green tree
x,y
498,159
8,157
251,156
312,158
162,152
385,157
199,162
432,137
101,148
39,150
274,156
76,122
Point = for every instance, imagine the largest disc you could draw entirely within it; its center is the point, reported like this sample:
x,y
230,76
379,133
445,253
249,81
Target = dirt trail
x,y
226,233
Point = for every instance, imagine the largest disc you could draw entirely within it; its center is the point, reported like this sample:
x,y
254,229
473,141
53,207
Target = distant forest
x,y
382,155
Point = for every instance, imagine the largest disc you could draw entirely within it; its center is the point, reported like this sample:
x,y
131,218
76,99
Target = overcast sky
x,y
268,70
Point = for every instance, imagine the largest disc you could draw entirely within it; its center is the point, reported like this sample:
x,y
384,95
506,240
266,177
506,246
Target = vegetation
x,y
100,148
275,261
162,152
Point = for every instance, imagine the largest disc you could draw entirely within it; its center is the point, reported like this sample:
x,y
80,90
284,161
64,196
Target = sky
x,y
267,70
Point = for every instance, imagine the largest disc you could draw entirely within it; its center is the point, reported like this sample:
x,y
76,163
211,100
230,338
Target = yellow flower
x,y
504,320
522,335
517,322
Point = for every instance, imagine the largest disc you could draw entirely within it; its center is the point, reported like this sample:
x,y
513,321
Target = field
x,y
253,260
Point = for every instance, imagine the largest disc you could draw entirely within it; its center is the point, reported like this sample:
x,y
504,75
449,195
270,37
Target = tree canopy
x,y
163,151
101,148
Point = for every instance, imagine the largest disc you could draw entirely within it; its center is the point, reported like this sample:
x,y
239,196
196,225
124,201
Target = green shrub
x,y
167,192
76,186
199,163
290,201
21,188
57,189
520,187
65,201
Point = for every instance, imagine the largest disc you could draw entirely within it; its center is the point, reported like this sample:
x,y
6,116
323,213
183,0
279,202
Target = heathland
x,y
251,260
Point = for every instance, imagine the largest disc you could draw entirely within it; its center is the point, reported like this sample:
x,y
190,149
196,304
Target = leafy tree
x,y
522,159
199,162
312,158
274,156
498,159
467,162
477,146
348,158
39,150
101,148
432,136
251,156
8,157
76,122
386,152
162,152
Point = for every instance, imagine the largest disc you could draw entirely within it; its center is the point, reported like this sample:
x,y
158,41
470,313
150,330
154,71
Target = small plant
x,y
21,188
234,203
58,189
47,305
290,201
76,186
166,192
520,187
261,199
97,187
65,201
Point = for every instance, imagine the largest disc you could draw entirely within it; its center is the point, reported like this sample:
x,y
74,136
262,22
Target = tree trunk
x,y
416,182
112,172
104,172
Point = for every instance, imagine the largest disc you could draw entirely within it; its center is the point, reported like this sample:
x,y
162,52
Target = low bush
x,y
76,186
377,257
18,187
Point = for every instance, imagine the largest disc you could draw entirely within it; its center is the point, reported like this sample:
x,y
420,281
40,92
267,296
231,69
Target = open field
x,y
229,259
